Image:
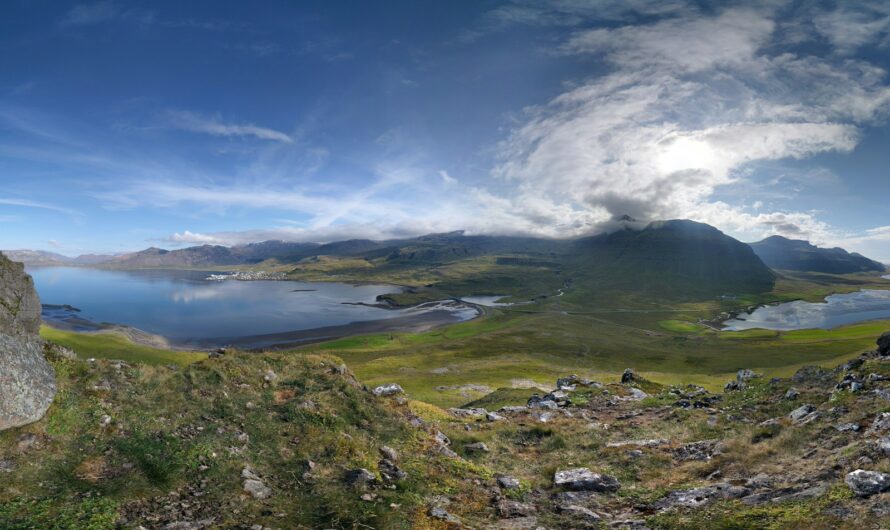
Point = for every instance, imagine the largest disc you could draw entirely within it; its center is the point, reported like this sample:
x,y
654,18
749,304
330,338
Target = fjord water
x,y
836,310
185,308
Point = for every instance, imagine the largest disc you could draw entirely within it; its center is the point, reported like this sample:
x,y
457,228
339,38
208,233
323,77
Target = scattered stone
x,y
27,441
696,451
848,427
257,489
583,479
476,447
441,439
512,509
698,497
883,445
880,424
270,377
391,389
538,402
639,443
516,409
636,394
389,453
744,375
628,377
439,513
801,412
579,512
508,483
812,375
7,466
792,394
390,471
359,477
494,416
104,421
468,413
865,483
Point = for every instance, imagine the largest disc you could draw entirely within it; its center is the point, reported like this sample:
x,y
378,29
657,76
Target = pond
x,y
836,310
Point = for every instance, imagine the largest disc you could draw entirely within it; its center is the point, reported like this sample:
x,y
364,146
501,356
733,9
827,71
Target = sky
x,y
126,124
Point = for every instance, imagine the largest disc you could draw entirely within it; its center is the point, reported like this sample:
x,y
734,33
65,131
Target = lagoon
x,y
189,310
836,310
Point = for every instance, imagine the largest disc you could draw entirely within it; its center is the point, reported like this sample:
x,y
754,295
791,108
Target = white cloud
x,y
193,122
689,104
194,238
692,44
25,203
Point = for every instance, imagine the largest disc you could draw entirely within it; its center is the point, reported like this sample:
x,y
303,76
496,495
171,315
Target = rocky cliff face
x,y
27,381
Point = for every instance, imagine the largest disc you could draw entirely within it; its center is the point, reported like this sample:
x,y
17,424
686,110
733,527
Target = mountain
x,y
37,258
793,254
677,256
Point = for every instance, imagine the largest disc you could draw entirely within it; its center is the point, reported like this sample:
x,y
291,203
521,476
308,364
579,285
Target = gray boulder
x,y
865,483
583,479
27,381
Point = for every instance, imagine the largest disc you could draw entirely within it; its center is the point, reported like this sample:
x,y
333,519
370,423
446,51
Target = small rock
x,y
439,513
792,394
494,416
389,453
508,483
476,447
512,509
881,423
270,377
579,512
639,443
848,427
865,483
388,390
468,413
801,412
27,441
583,479
257,489
883,445
441,439
359,477
628,376
105,421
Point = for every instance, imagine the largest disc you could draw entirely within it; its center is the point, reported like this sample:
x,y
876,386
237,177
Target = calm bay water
x,y
186,308
837,310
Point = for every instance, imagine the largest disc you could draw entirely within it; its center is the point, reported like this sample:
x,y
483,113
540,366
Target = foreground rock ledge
x,y
27,381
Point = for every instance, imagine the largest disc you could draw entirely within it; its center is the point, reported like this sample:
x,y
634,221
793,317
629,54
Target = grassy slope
x,y
116,346
195,428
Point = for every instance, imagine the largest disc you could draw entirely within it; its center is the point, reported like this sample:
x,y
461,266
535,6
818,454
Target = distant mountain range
x,y
797,255
678,255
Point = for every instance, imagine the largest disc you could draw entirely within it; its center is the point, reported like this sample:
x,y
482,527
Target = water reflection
x,y
837,310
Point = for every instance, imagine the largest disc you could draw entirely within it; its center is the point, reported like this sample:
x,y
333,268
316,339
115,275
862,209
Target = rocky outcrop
x,y
27,381
19,304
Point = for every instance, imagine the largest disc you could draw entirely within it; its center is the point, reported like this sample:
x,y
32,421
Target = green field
x,y
111,345
587,332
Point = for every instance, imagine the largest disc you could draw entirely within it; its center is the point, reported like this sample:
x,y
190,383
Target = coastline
x,y
428,316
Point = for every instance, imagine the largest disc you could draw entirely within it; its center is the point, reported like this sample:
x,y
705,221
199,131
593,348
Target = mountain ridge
x,y
796,254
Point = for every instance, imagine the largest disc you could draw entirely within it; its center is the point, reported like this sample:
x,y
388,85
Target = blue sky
x,y
127,124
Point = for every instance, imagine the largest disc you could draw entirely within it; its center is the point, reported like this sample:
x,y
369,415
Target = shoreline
x,y
430,317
